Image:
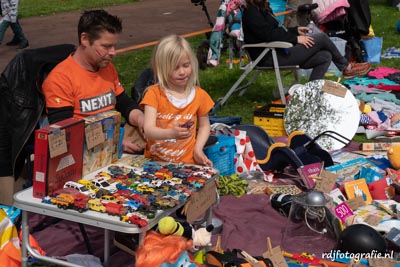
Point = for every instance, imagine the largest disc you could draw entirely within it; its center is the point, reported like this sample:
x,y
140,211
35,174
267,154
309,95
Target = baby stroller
x,y
226,32
348,20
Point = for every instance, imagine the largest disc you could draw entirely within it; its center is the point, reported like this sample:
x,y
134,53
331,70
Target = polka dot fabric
x,y
245,159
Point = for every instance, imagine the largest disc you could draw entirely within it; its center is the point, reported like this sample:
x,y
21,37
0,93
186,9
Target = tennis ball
x,y
167,225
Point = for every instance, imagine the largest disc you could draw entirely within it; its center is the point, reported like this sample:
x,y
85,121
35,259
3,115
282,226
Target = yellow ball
x,y
167,225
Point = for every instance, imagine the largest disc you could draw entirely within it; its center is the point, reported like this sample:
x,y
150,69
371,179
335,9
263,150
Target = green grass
x,y
217,81
29,8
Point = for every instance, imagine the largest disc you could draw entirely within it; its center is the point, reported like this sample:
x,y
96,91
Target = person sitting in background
x,y
309,52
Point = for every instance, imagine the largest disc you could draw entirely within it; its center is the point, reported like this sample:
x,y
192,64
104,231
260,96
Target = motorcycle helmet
x,y
361,238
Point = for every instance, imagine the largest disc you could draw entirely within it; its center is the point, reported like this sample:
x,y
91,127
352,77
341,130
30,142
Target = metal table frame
x,y
25,201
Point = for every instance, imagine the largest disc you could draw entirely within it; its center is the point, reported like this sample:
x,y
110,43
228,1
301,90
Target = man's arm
x,y
129,110
58,114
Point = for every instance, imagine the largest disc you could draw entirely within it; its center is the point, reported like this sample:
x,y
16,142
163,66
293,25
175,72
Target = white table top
x,y
24,200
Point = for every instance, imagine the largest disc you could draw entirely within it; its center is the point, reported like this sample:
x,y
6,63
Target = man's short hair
x,y
94,22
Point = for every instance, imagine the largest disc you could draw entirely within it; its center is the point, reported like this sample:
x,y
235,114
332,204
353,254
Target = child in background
x,y
9,9
175,105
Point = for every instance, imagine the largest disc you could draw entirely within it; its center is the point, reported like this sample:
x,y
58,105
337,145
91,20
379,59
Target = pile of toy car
x,y
134,194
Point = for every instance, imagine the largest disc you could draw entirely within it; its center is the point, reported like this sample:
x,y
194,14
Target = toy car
x,y
135,219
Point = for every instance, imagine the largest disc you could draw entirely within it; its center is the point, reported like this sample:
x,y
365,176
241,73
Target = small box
x,y
101,140
58,156
270,118
222,154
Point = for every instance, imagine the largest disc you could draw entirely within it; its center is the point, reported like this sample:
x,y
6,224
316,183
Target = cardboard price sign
x,y
326,182
57,143
94,135
334,88
200,201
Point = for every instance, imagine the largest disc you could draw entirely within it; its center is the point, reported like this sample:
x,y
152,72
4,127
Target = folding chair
x,y
252,65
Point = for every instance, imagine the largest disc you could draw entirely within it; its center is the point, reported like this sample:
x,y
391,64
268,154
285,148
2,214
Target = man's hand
x,y
129,147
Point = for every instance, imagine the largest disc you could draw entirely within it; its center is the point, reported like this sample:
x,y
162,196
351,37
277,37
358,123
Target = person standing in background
x,y
9,10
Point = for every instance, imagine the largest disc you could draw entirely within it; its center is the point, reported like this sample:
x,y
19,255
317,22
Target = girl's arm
x,y
151,131
202,136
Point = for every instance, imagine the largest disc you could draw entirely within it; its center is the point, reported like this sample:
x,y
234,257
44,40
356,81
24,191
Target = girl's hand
x,y
180,131
201,158
307,41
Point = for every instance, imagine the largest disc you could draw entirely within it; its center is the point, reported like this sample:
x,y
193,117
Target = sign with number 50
x,y
343,211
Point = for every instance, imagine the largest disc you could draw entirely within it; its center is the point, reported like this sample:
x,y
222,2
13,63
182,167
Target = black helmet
x,y
361,238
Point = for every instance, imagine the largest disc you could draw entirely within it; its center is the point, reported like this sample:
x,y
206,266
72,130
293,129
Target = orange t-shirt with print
x,y
89,93
175,150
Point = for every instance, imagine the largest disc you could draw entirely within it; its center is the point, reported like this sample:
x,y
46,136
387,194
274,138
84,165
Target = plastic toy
x,y
134,219
67,201
96,205
115,209
172,251
393,154
81,188
169,226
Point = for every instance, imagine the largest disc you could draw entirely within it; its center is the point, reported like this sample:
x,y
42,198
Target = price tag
x,y
373,220
57,143
94,134
334,88
343,211
355,203
200,201
327,182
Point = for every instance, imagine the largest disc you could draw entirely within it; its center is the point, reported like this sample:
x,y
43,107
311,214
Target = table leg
x,y
106,247
25,236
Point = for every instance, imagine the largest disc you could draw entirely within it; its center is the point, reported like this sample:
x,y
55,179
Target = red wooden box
x,y
58,156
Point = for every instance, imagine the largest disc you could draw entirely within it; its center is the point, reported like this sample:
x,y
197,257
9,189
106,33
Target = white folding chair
x,y
252,65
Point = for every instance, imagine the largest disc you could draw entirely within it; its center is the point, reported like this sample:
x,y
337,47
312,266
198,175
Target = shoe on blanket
x,y
126,242
357,69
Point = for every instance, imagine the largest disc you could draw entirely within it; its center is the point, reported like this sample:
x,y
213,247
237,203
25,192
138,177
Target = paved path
x,y
143,22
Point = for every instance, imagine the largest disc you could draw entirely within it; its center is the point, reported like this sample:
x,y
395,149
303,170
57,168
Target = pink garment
x,y
329,10
382,72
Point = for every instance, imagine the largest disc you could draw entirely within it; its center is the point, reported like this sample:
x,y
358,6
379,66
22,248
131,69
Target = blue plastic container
x,y
222,155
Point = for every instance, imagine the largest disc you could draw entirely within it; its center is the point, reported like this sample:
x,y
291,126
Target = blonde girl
x,y
176,122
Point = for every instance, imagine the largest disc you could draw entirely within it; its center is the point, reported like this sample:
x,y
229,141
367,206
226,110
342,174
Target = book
x,y
58,156
356,188
102,134
350,170
379,146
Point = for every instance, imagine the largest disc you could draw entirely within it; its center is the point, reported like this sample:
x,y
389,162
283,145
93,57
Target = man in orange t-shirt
x,y
86,83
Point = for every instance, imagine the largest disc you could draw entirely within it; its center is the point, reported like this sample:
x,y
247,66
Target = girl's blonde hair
x,y
167,55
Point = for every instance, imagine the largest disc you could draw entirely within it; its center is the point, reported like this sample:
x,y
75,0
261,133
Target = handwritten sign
x,y
94,134
334,88
57,143
200,201
327,181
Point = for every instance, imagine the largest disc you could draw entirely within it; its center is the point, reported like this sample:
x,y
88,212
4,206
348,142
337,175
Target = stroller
x,y
226,33
348,20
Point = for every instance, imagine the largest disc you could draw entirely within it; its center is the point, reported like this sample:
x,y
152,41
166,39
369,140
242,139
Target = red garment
x,y
382,72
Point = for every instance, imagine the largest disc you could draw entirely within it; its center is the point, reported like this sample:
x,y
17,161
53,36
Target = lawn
x,y
218,80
